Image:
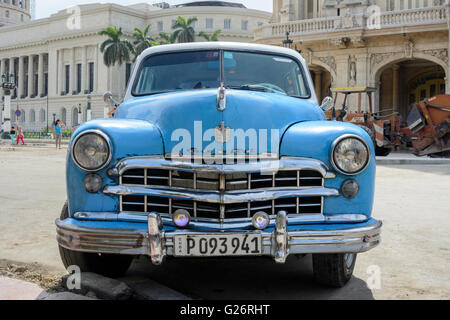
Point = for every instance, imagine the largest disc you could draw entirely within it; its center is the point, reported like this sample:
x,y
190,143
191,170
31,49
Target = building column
x,y
11,66
52,69
72,81
21,82
318,84
395,72
30,75
60,72
2,72
84,71
11,70
300,10
96,62
40,88
2,67
447,78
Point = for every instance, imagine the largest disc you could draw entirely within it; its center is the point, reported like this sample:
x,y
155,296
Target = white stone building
x,y
400,47
14,12
58,63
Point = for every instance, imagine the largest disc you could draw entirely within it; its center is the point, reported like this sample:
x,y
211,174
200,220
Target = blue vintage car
x,y
219,150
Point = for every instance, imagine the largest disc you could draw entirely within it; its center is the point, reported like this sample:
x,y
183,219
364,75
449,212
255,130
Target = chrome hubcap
x,y
349,257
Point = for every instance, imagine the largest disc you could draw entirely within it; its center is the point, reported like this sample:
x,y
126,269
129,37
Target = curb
x,y
40,141
104,288
418,161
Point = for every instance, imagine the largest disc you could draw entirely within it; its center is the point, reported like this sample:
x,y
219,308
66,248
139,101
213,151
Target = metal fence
x,y
46,135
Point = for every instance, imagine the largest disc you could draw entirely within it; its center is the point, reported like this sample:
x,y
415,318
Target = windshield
x,y
207,69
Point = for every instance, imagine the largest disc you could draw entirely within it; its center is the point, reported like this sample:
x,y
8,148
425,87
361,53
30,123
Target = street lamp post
x,y
287,43
79,114
88,108
8,83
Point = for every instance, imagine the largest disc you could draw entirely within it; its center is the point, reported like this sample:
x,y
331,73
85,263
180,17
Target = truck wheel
x,y
379,152
334,270
382,152
108,265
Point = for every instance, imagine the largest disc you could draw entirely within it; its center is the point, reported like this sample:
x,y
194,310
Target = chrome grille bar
x,y
221,191
170,199
221,212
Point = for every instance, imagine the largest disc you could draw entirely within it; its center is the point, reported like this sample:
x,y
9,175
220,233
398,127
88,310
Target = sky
x,y
45,8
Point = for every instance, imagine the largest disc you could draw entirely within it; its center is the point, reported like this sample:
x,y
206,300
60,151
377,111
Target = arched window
x,y
42,116
32,116
63,115
75,117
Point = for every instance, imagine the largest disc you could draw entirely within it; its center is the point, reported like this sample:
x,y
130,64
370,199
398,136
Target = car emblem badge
x,y
222,133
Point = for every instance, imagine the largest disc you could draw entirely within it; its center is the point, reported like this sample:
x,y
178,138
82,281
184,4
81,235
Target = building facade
x,y
399,47
14,12
59,67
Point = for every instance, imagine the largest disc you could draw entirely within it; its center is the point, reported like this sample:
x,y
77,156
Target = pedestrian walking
x,y
12,133
57,132
20,136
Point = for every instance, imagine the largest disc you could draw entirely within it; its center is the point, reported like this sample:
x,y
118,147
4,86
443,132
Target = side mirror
x,y
108,98
327,103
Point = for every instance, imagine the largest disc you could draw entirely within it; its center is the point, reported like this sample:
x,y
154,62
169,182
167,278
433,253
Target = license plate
x,y
217,245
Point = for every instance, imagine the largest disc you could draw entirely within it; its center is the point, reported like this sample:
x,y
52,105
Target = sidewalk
x,y
14,289
407,158
45,143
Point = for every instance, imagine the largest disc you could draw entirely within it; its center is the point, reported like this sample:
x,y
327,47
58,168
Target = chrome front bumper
x,y
159,243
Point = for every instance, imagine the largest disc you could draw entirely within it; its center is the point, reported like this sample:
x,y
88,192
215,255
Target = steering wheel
x,y
272,86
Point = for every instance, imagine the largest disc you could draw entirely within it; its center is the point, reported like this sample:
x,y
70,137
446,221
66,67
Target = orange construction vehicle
x,y
383,126
429,126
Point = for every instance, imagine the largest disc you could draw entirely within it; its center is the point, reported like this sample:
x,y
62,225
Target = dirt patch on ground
x,y
34,272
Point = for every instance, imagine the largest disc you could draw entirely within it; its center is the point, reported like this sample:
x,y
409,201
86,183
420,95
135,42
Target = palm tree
x,y
142,41
211,37
115,50
184,32
166,38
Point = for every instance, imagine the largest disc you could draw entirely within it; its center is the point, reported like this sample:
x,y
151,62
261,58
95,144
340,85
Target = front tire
x,y
334,270
108,265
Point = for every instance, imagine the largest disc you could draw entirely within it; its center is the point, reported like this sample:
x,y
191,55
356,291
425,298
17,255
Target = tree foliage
x,y
211,37
115,49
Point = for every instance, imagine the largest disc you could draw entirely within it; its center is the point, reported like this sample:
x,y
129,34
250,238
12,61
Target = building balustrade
x,y
389,19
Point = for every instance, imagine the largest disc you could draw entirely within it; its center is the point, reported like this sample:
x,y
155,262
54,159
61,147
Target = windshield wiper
x,y
256,87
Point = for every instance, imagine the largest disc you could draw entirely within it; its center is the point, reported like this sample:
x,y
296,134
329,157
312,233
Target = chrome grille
x,y
147,204
159,185
230,182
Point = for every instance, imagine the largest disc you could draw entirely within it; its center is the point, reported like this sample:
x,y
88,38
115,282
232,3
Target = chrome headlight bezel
x,y
333,149
102,135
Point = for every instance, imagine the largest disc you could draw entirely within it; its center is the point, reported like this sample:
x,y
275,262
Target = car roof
x,y
220,45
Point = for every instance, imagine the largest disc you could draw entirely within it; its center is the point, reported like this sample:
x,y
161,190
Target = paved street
x,y
412,200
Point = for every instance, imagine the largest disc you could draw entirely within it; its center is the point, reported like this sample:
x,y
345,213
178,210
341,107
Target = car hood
x,y
193,115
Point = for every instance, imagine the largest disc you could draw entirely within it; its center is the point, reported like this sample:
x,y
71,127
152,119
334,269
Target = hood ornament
x,y
221,98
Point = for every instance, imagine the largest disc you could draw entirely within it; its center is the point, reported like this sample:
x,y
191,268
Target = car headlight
x,y
91,150
350,155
